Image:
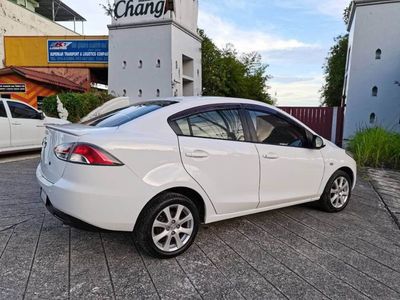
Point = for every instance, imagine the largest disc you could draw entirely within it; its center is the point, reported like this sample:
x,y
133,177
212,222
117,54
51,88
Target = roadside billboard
x,y
77,51
56,51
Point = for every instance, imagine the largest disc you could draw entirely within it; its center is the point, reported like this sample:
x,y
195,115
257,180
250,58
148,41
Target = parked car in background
x,y
109,106
161,168
22,127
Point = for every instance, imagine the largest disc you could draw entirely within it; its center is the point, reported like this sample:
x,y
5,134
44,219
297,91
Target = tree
x,y
346,14
335,68
228,74
108,8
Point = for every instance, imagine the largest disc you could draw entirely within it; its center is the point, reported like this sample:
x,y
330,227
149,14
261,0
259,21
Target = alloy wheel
x,y
340,191
172,228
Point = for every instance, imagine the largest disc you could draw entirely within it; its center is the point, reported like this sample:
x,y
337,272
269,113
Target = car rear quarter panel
x,y
152,155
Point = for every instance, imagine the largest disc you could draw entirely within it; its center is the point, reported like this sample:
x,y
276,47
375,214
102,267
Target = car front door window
x,y
22,111
273,130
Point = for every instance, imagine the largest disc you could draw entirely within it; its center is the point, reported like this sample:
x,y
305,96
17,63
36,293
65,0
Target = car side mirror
x,y
318,142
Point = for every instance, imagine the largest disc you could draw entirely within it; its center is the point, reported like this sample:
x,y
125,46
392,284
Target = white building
x,y
155,50
34,17
372,89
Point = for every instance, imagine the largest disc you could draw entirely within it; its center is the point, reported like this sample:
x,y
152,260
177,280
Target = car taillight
x,y
62,151
86,154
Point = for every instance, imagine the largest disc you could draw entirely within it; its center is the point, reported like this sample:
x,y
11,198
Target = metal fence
x,y
326,121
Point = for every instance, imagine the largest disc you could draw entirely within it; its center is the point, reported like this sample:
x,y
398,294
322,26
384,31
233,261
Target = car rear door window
x,y
216,124
3,113
273,130
22,111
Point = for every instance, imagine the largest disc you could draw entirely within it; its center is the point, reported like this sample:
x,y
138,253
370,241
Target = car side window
x,y
3,113
217,124
273,130
22,111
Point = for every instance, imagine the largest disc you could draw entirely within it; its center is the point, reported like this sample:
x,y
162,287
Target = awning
x,y
50,79
58,11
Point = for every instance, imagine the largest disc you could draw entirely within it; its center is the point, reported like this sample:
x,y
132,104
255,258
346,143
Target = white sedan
x,y
22,127
161,168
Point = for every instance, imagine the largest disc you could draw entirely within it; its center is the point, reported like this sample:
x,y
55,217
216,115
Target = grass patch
x,y
377,148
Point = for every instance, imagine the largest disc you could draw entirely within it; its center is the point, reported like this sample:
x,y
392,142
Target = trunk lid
x,y
52,167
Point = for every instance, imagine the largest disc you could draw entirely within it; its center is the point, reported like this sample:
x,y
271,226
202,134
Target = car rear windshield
x,y
122,116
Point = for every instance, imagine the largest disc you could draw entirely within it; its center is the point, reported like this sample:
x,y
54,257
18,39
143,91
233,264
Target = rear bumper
x,y
67,219
92,198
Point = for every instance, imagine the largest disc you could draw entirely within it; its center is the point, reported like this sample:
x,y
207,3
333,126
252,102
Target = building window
x,y
158,93
140,64
378,54
158,65
140,93
372,118
375,91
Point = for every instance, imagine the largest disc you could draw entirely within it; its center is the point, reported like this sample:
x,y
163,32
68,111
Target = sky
x,y
293,37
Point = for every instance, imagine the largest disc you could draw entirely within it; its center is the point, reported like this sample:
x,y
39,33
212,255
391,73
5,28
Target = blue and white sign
x,y
77,51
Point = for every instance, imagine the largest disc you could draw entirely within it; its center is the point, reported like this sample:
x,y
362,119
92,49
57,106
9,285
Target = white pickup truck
x,y
22,127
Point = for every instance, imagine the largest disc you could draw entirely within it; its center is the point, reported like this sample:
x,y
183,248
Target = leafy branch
x,y
108,8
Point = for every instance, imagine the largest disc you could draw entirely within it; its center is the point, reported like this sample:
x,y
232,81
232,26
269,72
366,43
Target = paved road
x,y
293,253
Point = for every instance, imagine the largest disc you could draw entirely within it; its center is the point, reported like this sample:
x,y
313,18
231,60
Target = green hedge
x,y
376,147
77,105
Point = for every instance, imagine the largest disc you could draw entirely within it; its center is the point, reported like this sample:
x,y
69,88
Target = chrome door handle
x,y
197,154
16,124
271,156
40,126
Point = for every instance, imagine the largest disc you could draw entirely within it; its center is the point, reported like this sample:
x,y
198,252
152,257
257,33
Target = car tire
x,y
337,193
160,232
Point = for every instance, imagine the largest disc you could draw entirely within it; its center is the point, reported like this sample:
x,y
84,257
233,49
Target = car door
x,y
5,133
215,154
27,128
290,170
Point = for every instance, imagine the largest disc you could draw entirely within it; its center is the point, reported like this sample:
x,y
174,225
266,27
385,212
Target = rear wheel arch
x,y
193,195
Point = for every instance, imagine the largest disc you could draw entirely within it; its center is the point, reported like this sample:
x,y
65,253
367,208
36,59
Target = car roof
x,y
18,101
199,101
13,100
213,100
